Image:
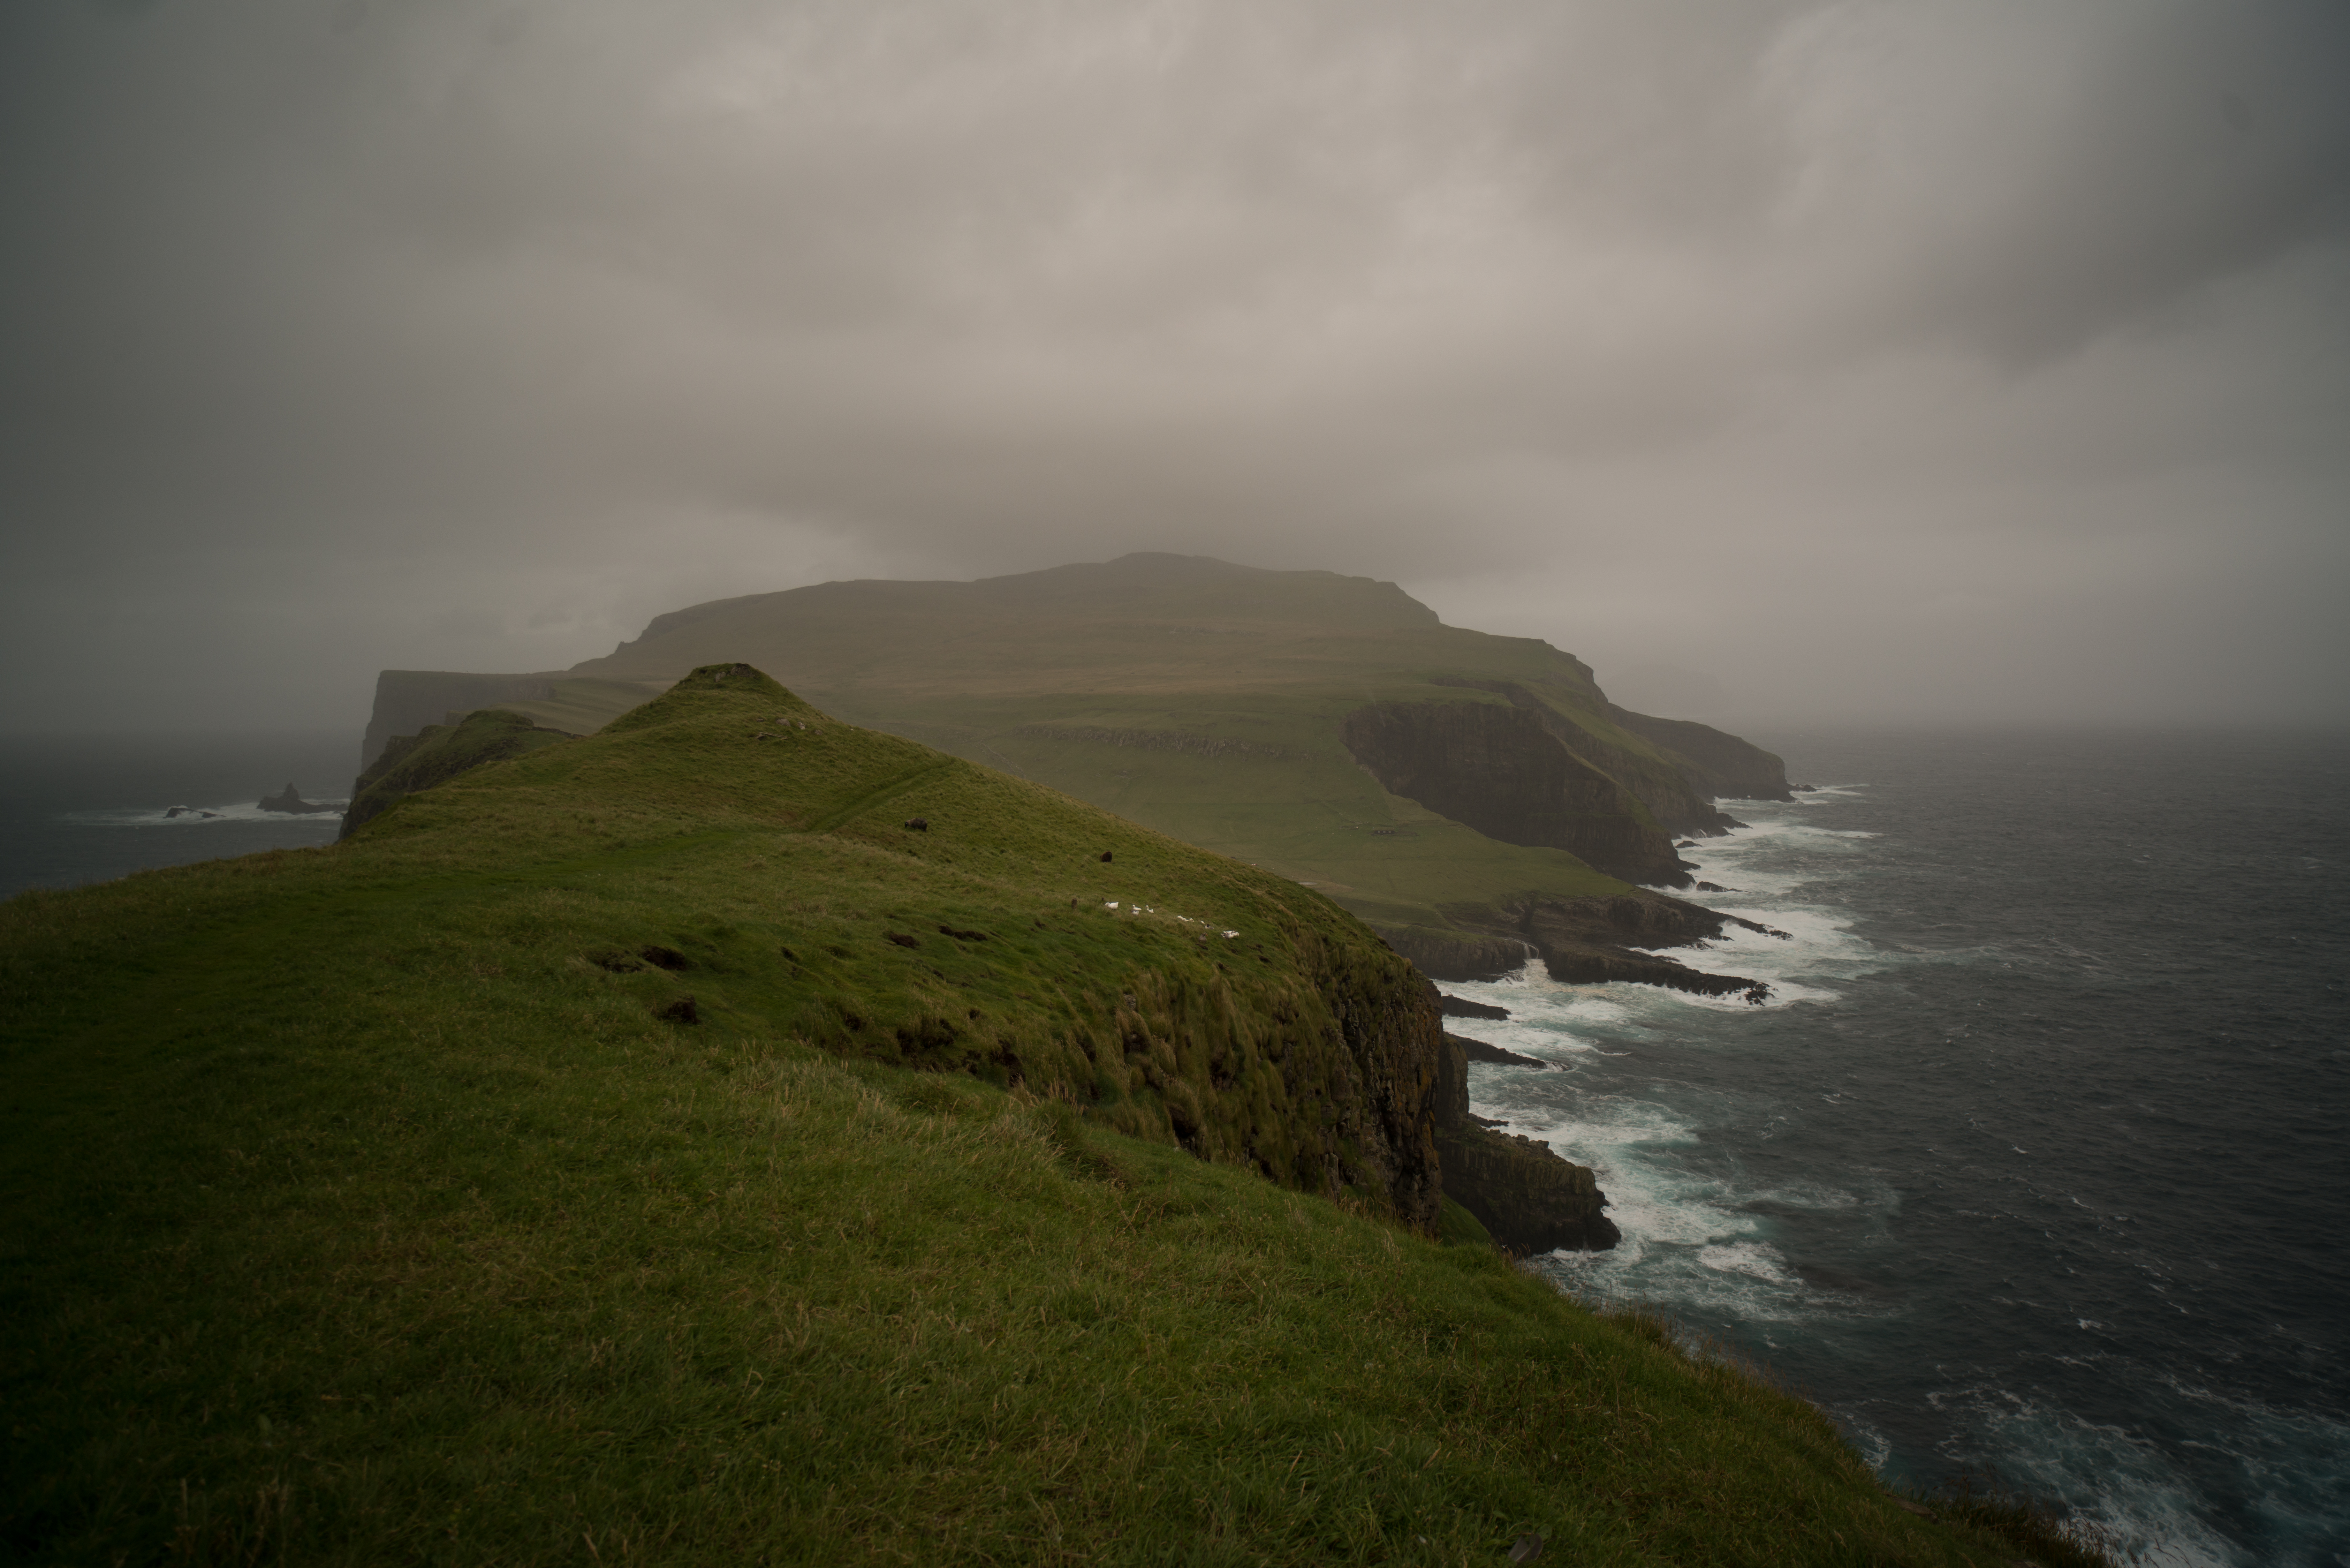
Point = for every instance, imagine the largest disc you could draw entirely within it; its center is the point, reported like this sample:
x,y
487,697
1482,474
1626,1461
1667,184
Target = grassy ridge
x,y
760,846
362,1205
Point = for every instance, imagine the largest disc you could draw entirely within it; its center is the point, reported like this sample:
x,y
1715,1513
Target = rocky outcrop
x,y
1456,955
1589,941
1478,1051
1497,768
1528,1199
1580,941
289,801
1461,1007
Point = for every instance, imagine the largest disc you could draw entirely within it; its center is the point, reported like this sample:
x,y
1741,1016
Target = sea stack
x,y
289,801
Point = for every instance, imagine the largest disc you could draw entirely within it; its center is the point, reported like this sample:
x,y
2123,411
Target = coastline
x,y
1747,1228
1924,1182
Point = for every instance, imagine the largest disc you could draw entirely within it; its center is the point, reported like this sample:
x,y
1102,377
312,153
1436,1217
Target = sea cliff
x,y
1525,1196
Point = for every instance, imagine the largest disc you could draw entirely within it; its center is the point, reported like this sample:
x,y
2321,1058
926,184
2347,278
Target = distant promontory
x,y
1474,798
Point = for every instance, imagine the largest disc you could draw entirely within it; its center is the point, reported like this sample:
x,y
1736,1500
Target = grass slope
x,y
730,854
357,1211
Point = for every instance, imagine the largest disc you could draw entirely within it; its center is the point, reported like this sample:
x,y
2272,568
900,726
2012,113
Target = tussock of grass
x,y
357,1211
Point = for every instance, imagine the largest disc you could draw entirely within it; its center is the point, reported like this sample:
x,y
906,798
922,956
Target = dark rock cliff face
x,y
1663,786
1382,1132
1716,764
1457,955
1499,770
1584,941
1326,1082
1527,1198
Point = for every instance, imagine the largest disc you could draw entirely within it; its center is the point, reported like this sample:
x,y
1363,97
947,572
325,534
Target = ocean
x,y
2034,1168
82,808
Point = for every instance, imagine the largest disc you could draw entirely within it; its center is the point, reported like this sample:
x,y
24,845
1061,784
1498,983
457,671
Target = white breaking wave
x,y
2120,1481
1692,1241
191,815
1757,1259
1718,1228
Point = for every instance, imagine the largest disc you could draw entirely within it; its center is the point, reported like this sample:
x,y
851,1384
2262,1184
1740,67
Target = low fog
x,y
1869,361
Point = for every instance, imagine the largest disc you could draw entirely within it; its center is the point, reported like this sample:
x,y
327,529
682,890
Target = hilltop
x,y
1468,795
741,1135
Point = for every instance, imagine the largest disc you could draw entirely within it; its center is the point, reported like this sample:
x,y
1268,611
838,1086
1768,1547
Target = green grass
x,y
722,1305
360,1205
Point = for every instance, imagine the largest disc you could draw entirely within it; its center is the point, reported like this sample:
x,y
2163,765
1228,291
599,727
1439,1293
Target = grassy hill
x,y
1212,702
651,1149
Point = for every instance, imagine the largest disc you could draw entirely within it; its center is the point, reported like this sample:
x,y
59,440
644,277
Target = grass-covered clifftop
x,y
736,857
386,1203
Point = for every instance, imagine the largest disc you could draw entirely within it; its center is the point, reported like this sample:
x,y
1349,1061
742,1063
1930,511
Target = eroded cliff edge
x,y
1528,1198
1499,770
1582,941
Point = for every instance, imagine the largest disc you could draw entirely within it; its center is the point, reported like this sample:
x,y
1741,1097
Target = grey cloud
x,y
439,333
2062,171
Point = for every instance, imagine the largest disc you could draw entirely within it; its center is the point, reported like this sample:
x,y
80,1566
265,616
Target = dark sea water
x,y
2040,1163
83,809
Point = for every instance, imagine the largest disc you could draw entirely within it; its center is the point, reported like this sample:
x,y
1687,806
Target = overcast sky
x,y
1986,359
